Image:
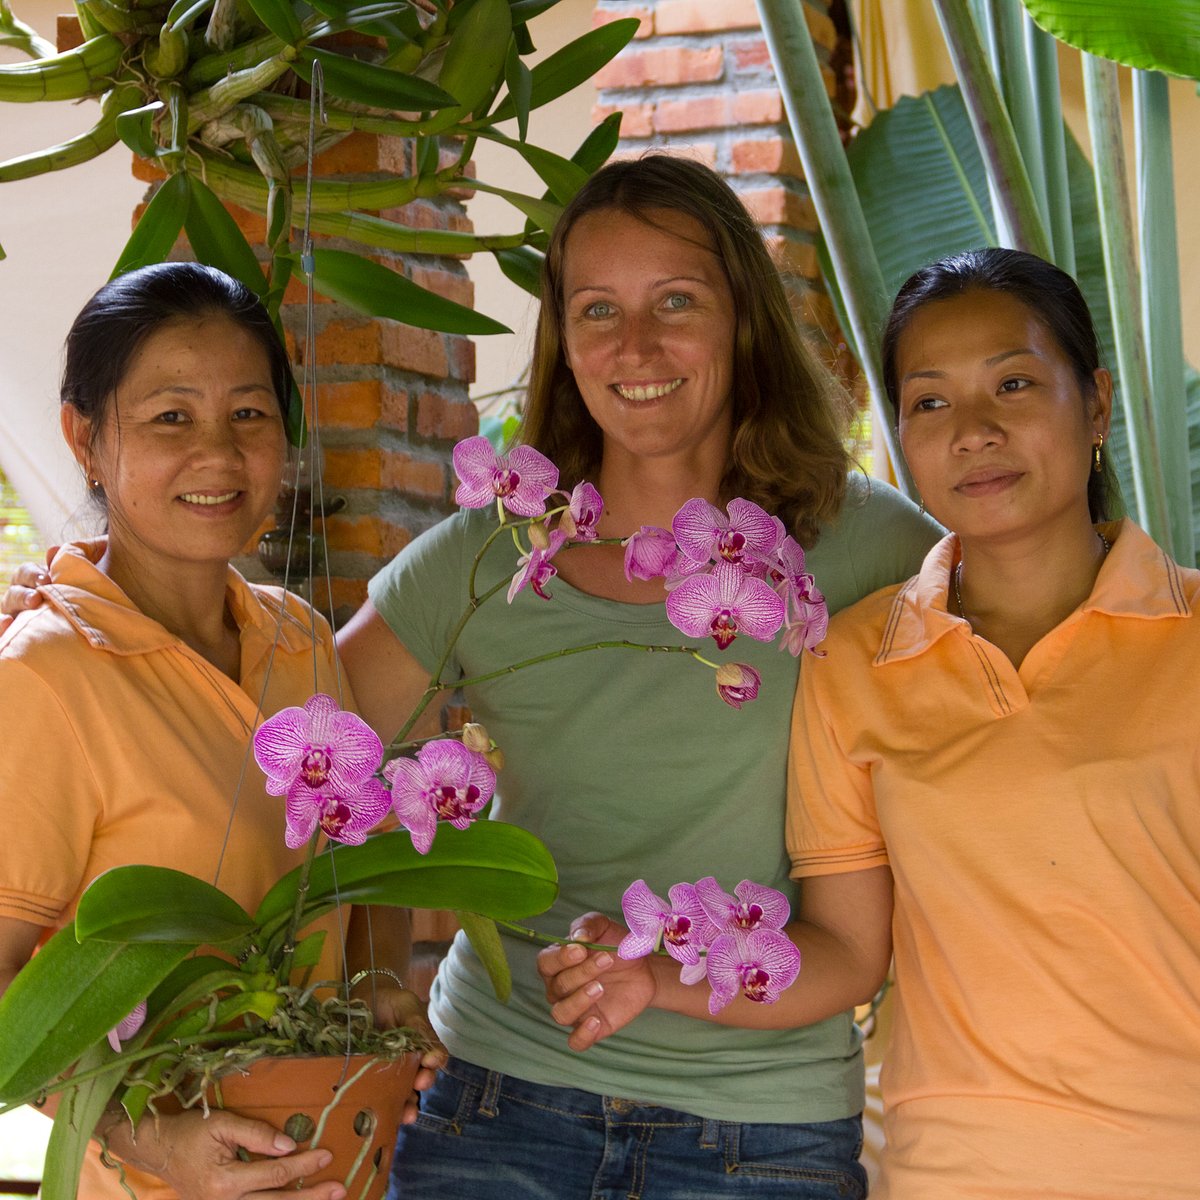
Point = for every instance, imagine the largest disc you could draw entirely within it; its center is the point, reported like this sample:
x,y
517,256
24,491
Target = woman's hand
x,y
22,591
593,991
197,1156
400,1006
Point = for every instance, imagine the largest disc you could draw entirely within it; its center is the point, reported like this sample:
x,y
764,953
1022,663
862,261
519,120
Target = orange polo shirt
x,y
123,745
1043,829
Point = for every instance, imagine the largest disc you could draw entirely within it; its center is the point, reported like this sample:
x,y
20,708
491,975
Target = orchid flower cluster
x,y
725,573
736,942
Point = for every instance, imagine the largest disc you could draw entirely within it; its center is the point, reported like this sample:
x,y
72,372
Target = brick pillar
x,y
697,78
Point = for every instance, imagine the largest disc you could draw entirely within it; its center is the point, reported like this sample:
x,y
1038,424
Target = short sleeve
x,y
50,800
832,825
421,593
887,534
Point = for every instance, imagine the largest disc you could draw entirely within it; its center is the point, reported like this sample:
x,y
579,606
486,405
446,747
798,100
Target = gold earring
x,y
1097,461
921,505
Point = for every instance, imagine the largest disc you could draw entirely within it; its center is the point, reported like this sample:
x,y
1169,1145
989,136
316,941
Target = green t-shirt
x,y
628,766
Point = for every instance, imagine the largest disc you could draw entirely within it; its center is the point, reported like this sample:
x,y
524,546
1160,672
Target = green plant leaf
x,y
136,129
379,292
595,149
158,904
519,81
158,227
526,10
562,176
523,265
543,213
475,58
217,240
1159,36
569,67
366,83
66,998
485,941
493,869
183,12
279,18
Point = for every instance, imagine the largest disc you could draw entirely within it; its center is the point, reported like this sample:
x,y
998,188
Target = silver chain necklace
x,y
962,612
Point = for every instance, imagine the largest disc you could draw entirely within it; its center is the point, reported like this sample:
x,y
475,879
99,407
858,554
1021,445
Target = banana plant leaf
x,y
373,289
491,868
66,998
1163,35
569,67
157,904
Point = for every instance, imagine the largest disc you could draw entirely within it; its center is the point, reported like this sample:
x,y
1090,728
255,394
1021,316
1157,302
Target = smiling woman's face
x,y
648,327
190,449
996,429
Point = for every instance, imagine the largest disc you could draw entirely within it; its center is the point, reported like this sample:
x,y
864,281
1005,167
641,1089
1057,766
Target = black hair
x,y
1047,291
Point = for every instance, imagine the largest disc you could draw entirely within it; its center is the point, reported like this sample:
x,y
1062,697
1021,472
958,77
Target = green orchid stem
x,y
289,945
532,935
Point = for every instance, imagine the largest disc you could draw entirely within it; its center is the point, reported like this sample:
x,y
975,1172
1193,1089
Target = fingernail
x,y
324,1159
604,960
284,1144
594,989
592,1023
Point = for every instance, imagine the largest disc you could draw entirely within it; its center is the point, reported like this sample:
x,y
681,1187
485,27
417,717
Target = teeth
x,y
652,392
197,498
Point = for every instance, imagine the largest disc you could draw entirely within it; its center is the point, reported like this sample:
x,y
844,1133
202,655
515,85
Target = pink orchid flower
x,y
746,535
759,965
584,509
520,479
344,814
676,926
807,619
446,782
315,747
535,568
737,683
127,1027
752,906
725,603
650,553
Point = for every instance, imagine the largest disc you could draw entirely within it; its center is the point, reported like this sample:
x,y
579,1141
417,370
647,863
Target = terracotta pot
x,y
364,1098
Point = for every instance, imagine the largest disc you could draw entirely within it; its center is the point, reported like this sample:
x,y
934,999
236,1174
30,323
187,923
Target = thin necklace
x,y
962,612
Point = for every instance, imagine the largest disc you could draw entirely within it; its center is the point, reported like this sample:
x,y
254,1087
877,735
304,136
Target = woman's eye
x,y
1014,385
599,309
678,301
928,404
171,417
247,414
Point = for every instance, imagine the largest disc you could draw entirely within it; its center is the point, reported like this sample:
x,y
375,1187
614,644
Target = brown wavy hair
x,y
789,413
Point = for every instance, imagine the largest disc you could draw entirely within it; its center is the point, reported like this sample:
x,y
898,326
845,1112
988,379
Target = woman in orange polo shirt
x,y
1010,737
127,700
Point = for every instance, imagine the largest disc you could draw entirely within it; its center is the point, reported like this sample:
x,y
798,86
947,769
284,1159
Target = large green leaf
x,y
66,998
158,227
279,17
569,67
158,904
76,1118
523,265
485,941
1155,35
476,54
366,83
217,240
378,292
491,868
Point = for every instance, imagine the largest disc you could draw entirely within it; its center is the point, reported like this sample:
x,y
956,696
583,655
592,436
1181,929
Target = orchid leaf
x,y
485,941
520,87
66,998
183,12
561,175
280,18
217,240
543,213
136,129
79,1110
379,292
491,868
475,58
523,265
572,65
1161,36
158,904
525,10
366,83
595,149
158,227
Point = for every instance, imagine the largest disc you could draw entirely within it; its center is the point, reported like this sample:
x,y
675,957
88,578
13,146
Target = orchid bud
x,y
737,683
539,536
494,758
566,524
475,737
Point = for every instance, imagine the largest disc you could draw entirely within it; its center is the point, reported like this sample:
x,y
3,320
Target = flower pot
x,y
349,1106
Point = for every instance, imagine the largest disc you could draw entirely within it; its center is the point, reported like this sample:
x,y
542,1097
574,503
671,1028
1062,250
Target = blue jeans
x,y
486,1136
